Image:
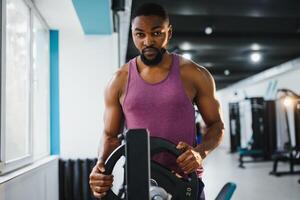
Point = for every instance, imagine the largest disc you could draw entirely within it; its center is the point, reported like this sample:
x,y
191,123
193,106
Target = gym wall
x,y
86,65
289,79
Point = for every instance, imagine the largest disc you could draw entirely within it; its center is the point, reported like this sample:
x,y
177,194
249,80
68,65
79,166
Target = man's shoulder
x,y
119,78
122,72
190,68
198,75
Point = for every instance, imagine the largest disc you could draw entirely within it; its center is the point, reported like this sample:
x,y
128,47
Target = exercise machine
x,y
234,125
257,130
288,139
143,181
149,180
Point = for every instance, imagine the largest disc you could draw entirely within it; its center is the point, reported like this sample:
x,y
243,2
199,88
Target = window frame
x,y
7,166
36,13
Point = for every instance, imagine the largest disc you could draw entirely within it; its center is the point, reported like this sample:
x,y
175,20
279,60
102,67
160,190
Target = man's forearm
x,y
107,146
211,139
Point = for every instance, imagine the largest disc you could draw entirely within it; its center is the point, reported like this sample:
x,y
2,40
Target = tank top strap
x,y
175,70
131,76
133,72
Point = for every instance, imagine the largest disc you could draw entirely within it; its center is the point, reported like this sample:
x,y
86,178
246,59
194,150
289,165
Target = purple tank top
x,y
163,108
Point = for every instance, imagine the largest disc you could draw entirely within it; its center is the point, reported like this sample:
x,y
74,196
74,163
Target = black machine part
x,y
158,193
179,188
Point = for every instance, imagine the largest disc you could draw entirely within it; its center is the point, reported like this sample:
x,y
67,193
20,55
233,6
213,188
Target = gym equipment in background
x,y
234,125
269,128
74,179
288,137
226,192
257,130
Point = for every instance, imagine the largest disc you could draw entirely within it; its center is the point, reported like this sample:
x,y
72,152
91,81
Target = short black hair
x,y
148,9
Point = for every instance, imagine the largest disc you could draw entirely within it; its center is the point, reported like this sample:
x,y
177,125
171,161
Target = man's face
x,y
151,35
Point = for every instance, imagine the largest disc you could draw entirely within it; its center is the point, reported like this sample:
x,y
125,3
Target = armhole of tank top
x,y
181,81
187,98
127,82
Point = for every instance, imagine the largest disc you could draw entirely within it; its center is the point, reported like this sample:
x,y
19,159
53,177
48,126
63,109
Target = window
x,y
41,89
24,85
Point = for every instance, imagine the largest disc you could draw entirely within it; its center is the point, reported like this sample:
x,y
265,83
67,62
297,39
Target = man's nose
x,y
148,41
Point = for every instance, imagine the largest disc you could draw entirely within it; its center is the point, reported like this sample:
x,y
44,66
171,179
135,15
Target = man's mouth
x,y
150,51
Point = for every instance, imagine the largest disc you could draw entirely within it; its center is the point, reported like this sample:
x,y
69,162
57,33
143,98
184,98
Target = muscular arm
x,y
113,117
99,182
209,108
201,88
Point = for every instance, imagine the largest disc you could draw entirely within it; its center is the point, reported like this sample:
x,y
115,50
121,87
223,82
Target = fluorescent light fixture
x,y
255,47
226,72
186,46
255,57
208,30
187,56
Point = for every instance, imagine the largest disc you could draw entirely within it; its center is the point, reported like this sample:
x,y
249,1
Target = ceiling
x,y
239,29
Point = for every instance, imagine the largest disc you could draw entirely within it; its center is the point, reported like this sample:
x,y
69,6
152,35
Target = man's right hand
x,y
99,182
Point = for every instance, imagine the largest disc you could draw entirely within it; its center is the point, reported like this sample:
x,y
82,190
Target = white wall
x,y
86,65
39,183
257,86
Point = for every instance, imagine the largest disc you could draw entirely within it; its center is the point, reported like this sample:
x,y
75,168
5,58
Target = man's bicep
x,y
209,108
206,100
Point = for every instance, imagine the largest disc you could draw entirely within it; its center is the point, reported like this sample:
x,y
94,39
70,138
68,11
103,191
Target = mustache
x,y
150,48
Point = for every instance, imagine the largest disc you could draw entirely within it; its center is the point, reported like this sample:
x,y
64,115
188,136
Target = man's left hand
x,y
190,159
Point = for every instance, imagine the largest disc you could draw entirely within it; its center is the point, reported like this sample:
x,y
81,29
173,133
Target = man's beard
x,y
158,58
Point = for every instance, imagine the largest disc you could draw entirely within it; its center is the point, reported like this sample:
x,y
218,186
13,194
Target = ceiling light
x,y
187,56
226,72
208,30
255,47
255,57
288,101
186,46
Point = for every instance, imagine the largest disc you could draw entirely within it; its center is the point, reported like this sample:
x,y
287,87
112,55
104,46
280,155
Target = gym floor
x,y
253,182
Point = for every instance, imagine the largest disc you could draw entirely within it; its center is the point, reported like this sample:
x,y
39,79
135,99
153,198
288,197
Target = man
x,y
157,90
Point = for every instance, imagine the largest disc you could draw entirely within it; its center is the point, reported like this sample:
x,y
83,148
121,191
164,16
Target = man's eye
x,y
139,34
158,33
